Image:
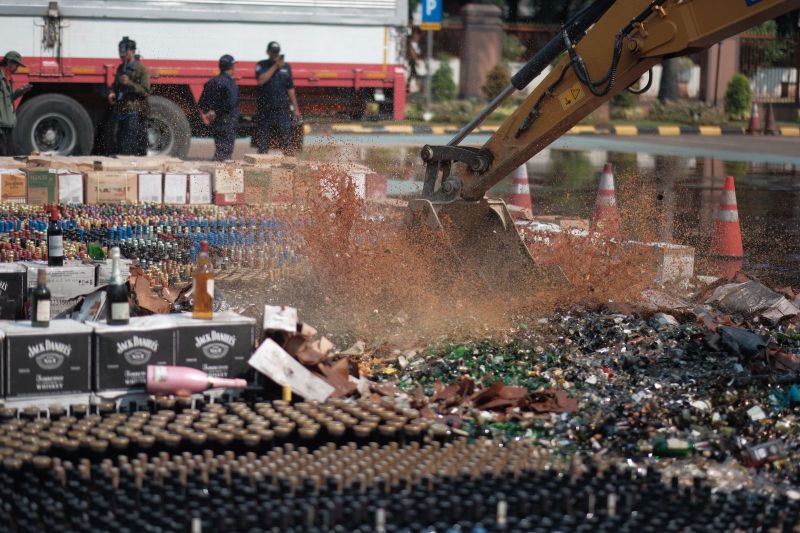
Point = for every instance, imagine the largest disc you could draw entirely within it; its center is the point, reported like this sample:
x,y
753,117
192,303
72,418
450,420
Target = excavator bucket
x,y
483,242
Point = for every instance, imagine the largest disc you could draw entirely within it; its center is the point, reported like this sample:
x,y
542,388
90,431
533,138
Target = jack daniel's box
x,y
219,347
122,353
2,360
50,360
13,288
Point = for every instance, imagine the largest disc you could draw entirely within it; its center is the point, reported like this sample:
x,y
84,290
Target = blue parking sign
x,y
431,11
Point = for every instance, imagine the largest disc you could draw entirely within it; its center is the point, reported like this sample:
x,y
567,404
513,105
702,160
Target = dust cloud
x,y
370,275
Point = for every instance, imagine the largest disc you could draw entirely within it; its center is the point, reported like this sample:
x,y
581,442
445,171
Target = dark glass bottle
x,y
40,301
118,309
55,241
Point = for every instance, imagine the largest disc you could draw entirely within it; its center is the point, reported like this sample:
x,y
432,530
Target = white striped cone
x,y
520,188
605,219
727,239
754,127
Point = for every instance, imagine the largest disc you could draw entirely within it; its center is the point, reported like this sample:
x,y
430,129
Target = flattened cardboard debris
x,y
499,396
305,330
145,297
310,353
750,298
273,361
552,402
782,361
280,318
338,375
357,349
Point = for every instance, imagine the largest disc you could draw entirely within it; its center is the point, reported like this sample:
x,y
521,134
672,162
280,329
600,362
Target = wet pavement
x,y
777,150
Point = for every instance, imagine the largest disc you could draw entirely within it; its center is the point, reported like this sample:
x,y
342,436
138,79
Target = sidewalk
x,y
618,130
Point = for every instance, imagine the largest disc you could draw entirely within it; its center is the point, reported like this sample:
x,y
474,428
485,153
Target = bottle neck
x,y
116,275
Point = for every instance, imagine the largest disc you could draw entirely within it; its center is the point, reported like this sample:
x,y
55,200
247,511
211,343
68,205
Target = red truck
x,y
346,57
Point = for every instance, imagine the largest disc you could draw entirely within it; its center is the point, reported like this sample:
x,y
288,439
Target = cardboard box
x,y
281,186
70,188
220,347
270,159
104,271
200,188
13,291
2,363
111,187
120,354
51,360
256,185
42,186
273,362
12,187
10,163
228,179
175,188
151,188
65,281
232,198
673,263
60,305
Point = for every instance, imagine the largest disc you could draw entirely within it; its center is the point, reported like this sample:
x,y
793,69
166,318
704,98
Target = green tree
x,y
496,80
512,48
443,88
738,97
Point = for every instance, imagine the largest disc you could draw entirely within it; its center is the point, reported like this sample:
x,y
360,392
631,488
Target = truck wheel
x,y
168,130
54,124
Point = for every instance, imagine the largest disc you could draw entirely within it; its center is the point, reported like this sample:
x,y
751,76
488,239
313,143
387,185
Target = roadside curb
x,y
620,131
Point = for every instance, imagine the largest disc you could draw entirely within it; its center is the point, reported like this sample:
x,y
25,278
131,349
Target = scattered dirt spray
x,y
372,276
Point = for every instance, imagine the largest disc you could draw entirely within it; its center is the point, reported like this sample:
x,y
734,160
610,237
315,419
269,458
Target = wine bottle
x,y
55,241
40,301
182,381
117,294
203,287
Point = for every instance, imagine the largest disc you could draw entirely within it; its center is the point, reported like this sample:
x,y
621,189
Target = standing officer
x,y
128,96
8,118
275,94
219,105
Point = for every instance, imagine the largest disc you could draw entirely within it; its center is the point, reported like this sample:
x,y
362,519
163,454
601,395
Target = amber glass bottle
x,y
203,284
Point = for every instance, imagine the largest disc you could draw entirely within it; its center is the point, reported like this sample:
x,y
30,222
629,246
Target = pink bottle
x,y
183,381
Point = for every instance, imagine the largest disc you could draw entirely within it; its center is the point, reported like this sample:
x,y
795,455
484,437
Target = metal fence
x,y
771,64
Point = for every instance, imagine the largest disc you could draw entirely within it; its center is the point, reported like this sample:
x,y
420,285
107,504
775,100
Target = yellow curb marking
x,y
626,130
669,131
714,131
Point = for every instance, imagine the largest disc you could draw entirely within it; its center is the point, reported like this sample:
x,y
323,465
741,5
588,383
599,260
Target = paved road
x,y
775,150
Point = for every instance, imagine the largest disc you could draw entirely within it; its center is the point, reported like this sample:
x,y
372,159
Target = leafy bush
x,y
455,111
738,97
496,80
443,87
413,111
511,48
623,105
686,112
772,52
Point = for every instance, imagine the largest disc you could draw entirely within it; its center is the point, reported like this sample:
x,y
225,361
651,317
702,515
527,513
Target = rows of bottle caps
x,y
166,238
332,482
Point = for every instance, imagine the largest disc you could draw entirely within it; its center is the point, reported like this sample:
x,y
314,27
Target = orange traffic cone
x,y
769,127
520,189
726,244
605,219
755,122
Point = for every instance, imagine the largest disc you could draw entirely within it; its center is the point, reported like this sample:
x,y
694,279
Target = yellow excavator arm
x,y
609,46
602,50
